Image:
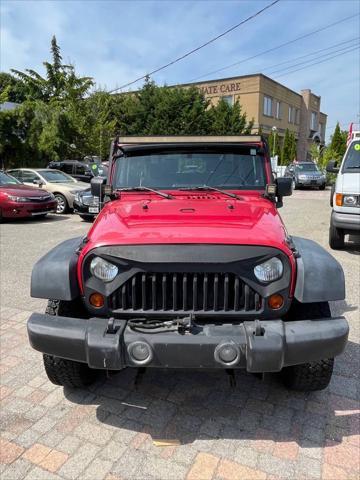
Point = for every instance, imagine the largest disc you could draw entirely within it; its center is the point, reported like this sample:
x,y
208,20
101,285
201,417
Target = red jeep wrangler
x,y
189,265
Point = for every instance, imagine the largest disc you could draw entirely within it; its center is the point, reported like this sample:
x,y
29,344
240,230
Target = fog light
x,y
227,353
276,301
96,300
140,352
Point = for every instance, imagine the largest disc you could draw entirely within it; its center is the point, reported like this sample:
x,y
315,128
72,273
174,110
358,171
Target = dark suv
x,y
81,170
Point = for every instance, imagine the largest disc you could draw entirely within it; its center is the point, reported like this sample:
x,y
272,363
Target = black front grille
x,y
185,292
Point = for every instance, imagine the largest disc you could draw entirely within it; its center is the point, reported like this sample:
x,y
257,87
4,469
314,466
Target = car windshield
x,y
6,179
307,167
180,169
56,176
352,158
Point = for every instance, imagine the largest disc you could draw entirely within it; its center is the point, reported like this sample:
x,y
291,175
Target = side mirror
x,y
38,182
96,185
283,187
332,167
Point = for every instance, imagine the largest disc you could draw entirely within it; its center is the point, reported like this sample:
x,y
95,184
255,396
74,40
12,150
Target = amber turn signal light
x,y
276,301
339,199
96,300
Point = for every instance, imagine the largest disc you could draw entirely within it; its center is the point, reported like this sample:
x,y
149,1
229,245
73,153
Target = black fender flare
x,y
54,275
320,277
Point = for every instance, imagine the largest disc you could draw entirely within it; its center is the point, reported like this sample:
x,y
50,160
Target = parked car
x,y
63,186
345,215
85,204
81,170
19,201
305,174
189,265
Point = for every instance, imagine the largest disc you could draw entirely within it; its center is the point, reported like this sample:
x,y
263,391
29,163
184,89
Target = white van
x,y
345,215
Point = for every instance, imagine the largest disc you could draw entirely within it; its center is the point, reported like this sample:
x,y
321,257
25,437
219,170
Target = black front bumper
x,y
265,347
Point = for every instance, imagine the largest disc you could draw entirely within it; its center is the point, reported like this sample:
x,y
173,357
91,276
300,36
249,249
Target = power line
x,y
317,63
198,48
275,48
319,57
312,53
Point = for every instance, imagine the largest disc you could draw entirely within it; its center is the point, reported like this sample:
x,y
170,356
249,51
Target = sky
x,y
117,41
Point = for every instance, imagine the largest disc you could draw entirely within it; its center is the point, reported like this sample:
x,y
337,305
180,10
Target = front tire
x,y
68,373
310,376
60,371
336,238
62,204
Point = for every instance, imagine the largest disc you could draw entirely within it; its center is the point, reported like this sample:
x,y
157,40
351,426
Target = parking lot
x,y
172,424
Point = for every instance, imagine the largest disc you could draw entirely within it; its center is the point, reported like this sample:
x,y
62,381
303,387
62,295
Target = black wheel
x,y
68,373
86,218
59,370
294,185
322,187
336,237
62,204
313,375
309,376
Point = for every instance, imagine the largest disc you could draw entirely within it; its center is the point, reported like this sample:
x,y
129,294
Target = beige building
x,y
271,104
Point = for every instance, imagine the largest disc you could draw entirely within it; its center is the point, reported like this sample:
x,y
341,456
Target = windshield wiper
x,y
207,187
144,189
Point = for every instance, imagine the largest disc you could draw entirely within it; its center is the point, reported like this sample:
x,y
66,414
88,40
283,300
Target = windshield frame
x,y
223,149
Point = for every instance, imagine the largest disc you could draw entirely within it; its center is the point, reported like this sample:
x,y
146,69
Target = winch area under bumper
x,y
265,346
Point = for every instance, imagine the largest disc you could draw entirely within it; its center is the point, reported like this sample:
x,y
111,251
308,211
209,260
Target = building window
x,y
268,106
322,131
278,110
297,116
291,117
229,99
313,121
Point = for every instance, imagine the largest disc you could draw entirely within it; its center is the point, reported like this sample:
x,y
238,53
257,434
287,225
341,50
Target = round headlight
x,y
103,270
350,200
270,270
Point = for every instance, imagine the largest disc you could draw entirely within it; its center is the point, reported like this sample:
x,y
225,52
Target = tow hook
x,y
111,326
259,330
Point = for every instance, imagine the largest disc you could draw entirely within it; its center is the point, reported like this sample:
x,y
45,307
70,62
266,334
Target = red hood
x,y
196,218
24,190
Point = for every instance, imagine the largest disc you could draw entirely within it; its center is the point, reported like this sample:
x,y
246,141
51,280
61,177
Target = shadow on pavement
x,y
353,245
200,406
37,219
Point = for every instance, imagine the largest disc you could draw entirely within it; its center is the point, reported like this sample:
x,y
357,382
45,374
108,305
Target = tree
x,y
292,147
286,149
338,142
60,82
11,89
228,119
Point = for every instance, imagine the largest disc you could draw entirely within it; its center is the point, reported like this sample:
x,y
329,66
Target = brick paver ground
x,y
209,431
